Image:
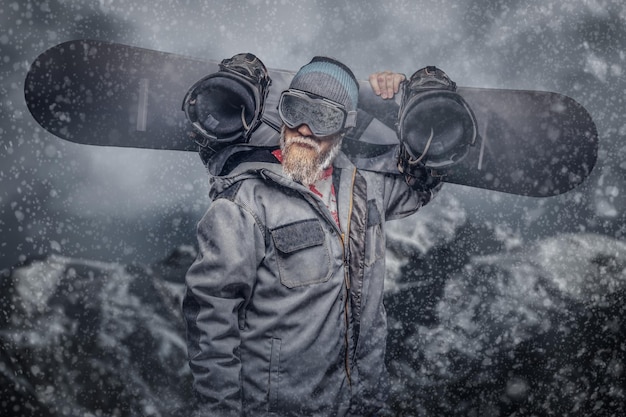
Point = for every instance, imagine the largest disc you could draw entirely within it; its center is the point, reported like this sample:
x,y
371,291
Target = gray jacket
x,y
284,308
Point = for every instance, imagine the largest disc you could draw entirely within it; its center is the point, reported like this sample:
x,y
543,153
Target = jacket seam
x,y
248,209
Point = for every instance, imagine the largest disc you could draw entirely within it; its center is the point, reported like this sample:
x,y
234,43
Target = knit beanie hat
x,y
330,79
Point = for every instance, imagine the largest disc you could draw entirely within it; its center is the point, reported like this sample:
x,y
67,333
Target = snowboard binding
x,y
226,107
435,125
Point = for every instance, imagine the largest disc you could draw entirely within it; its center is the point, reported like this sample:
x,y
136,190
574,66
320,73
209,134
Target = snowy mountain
x,y
537,331
84,338
534,331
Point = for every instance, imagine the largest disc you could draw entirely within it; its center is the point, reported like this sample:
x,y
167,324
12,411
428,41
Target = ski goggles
x,y
323,116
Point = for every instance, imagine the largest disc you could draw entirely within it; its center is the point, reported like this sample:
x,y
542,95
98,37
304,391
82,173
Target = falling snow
x,y
498,305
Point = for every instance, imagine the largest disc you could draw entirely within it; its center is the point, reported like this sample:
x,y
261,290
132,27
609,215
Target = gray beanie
x,y
330,79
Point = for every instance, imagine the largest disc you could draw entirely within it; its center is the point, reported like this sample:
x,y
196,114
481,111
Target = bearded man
x,y
284,303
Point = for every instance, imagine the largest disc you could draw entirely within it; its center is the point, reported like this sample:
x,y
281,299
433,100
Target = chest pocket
x,y
302,253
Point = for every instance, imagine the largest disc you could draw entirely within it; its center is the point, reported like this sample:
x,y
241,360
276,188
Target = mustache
x,y
304,141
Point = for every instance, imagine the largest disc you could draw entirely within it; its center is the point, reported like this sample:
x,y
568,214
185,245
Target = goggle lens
x,y
322,116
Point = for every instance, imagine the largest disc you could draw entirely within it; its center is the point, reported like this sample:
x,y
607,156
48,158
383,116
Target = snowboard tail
x,y
531,143
97,93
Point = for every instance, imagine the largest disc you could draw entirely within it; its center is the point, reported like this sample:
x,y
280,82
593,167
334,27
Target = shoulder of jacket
x,y
241,198
229,193
243,192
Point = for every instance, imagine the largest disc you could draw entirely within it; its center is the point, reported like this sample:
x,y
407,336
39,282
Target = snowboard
x,y
531,143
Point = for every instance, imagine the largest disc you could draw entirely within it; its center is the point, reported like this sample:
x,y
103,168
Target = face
x,y
306,156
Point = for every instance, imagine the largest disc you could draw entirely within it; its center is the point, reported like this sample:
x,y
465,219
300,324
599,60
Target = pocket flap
x,y
299,235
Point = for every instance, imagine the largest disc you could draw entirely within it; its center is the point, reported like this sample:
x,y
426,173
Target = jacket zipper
x,y
346,268
346,263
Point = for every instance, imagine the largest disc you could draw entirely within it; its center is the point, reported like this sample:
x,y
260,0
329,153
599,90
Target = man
x,y
284,304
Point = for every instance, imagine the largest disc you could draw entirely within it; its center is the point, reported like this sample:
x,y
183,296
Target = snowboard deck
x,y
531,143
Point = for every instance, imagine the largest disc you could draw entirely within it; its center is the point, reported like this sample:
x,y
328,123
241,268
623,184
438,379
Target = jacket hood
x,y
236,163
239,162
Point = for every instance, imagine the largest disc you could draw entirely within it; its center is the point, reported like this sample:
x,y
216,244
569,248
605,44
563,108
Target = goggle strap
x,y
350,119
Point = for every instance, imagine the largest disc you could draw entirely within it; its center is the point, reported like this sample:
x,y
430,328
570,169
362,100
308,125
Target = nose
x,y
304,130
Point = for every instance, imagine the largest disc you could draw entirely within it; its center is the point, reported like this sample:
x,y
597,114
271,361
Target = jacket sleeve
x,y
403,199
218,288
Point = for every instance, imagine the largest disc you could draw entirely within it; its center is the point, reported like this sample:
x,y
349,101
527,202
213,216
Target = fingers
x,y
386,83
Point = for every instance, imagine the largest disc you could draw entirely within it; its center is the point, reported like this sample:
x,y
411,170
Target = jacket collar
x,y
250,161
